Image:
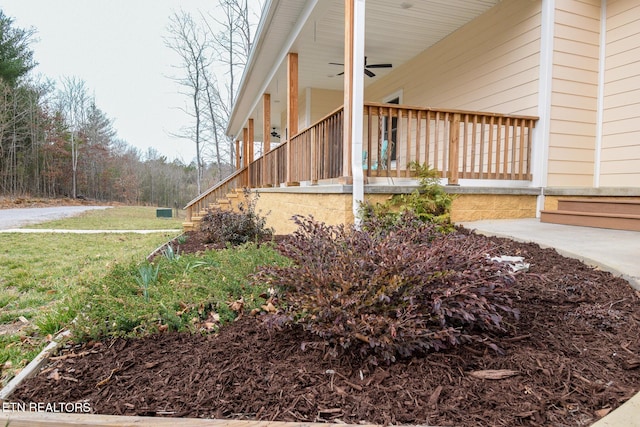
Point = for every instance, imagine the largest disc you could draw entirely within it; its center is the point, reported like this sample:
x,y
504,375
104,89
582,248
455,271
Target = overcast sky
x,y
117,48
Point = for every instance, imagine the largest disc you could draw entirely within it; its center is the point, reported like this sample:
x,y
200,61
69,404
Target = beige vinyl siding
x,y
324,101
490,64
574,97
620,155
302,108
320,102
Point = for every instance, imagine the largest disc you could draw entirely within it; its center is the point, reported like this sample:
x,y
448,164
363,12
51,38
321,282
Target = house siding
x,y
574,97
490,64
620,155
324,102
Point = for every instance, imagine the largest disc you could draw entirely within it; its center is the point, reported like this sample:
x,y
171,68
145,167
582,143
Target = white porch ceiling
x,y
396,31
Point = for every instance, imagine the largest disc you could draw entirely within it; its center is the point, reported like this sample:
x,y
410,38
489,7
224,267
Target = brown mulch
x,y
575,357
38,202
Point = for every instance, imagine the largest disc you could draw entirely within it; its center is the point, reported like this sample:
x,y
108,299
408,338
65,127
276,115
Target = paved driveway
x,y
13,218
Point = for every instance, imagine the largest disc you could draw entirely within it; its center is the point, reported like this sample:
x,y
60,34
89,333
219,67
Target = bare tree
x,y
232,44
190,43
73,103
213,52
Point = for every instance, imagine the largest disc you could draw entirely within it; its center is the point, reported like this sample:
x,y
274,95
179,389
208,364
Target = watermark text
x,y
55,407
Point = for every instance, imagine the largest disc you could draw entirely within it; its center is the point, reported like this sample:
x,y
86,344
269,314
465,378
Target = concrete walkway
x,y
616,251
611,250
59,230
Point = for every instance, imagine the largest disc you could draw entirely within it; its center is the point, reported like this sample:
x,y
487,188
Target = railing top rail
x,y
215,187
447,110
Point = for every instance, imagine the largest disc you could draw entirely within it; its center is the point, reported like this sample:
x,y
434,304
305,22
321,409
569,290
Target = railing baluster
x,y
465,144
408,151
474,138
454,146
436,138
498,146
507,138
418,134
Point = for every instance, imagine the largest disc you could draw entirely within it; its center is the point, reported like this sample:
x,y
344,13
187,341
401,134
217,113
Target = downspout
x,y
357,106
541,135
600,114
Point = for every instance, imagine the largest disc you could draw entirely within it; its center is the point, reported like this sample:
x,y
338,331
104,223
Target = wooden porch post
x,y
249,142
266,123
266,134
238,155
454,143
348,92
245,147
292,107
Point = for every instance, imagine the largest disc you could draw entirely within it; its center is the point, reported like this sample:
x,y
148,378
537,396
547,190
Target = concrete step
x,y
621,207
592,219
189,226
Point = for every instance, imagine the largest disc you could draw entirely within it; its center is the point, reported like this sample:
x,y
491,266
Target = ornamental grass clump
x,y
391,294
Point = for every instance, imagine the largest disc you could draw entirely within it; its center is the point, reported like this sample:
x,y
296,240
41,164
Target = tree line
x,y
56,142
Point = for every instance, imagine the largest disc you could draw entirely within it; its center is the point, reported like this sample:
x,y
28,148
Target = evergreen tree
x,y
16,56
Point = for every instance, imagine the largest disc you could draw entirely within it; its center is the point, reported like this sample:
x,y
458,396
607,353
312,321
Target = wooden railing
x,y
200,204
459,144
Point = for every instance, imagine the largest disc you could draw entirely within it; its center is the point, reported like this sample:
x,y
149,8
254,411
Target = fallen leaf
x,y
602,412
433,399
55,375
163,328
269,308
237,305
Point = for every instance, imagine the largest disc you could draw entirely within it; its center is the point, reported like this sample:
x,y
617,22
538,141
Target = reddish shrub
x,y
389,293
222,226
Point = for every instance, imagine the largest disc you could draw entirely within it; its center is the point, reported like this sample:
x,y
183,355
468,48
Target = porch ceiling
x,y
396,31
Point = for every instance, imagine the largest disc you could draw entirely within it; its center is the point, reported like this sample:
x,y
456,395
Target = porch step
x,y
622,207
612,214
189,226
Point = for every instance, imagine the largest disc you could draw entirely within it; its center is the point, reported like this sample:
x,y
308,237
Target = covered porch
x,y
462,145
356,88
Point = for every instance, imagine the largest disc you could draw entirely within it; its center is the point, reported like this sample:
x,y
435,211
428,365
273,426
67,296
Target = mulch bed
x,y
575,357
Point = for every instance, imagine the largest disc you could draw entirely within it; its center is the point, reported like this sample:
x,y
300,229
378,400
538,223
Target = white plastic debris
x,y
516,263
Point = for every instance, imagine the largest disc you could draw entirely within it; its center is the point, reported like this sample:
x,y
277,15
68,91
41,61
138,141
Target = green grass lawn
x,y
44,275
101,285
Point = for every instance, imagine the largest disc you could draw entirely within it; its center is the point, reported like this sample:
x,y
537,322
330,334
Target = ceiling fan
x,y
366,67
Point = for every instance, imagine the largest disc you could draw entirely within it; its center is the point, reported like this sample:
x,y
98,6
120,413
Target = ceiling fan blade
x,y
379,66
335,63
339,74
369,73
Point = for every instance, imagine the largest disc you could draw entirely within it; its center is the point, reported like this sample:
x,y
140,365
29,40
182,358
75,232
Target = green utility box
x,y
164,213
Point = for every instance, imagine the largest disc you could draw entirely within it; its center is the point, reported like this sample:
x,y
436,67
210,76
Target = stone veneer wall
x,y
279,207
474,207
